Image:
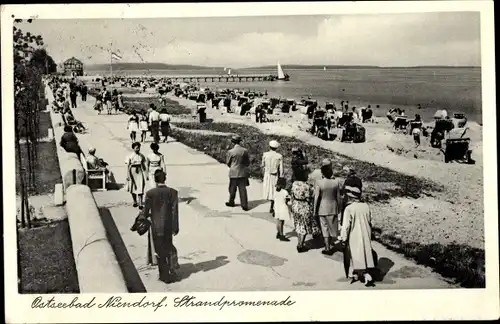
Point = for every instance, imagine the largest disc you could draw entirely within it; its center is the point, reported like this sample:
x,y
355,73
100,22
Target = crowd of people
x,y
314,202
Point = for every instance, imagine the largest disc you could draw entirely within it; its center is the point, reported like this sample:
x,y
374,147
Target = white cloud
x,y
364,40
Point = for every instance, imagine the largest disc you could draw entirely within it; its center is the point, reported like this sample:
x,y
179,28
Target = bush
x,y
142,104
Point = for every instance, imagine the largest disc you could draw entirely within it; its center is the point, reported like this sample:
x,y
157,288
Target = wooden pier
x,y
220,78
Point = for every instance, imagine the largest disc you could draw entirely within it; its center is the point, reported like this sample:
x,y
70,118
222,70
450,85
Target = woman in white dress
x,y
143,126
136,174
155,161
272,163
133,126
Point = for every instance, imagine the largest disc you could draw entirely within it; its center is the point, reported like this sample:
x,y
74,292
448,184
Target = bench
x,y
95,179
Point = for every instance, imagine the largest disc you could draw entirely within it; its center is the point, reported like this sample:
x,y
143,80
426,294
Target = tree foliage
x,y
31,62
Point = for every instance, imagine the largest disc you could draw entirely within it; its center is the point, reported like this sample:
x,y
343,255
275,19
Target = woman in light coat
x,y
356,234
272,164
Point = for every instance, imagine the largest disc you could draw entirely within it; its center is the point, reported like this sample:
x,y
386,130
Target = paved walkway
x,y
224,249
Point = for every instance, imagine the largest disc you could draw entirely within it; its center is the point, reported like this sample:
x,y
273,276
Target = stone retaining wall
x,y
96,263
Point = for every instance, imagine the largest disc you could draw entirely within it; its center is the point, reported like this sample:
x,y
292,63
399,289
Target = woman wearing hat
x,y
272,164
356,234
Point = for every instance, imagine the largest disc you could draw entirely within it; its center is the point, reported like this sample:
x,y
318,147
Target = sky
x,y
451,38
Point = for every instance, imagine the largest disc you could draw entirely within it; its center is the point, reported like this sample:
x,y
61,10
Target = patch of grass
x,y
46,260
463,263
47,172
382,183
142,104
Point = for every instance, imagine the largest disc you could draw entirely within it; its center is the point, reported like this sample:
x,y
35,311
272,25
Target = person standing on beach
x,y
136,174
272,164
238,161
356,235
327,205
162,207
154,121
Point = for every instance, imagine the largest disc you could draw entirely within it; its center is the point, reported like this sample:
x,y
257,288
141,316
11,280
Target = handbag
x,y
141,225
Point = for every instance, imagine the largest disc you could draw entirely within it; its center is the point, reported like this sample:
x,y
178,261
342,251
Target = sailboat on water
x,y
324,68
282,76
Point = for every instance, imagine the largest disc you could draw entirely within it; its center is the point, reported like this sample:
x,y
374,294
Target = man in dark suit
x,y
162,206
238,161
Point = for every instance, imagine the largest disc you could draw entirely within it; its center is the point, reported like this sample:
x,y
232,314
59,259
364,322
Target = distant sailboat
x,y
281,75
229,71
324,68
225,69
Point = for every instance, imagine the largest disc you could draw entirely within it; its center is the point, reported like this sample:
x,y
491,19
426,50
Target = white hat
x,y
274,144
353,191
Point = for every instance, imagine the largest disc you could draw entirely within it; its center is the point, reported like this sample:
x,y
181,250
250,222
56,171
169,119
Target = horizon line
x,y
295,64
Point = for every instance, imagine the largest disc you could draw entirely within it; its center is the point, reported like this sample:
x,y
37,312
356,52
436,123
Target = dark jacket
x,y
162,206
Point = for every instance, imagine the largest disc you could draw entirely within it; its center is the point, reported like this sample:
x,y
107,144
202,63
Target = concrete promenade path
x,y
222,248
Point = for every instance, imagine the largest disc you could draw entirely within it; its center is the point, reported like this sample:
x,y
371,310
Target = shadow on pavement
x,y
256,203
187,269
383,267
132,278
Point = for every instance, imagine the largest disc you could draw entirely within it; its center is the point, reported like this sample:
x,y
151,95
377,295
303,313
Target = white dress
x,y
155,162
132,125
272,163
281,210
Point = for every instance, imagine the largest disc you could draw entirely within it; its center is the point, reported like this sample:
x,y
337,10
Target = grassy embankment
x,y
460,262
45,251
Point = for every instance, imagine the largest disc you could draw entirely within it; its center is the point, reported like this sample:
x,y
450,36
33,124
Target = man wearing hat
x,y
272,164
238,161
356,234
